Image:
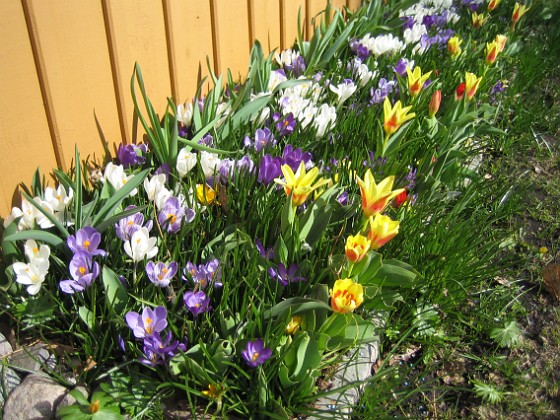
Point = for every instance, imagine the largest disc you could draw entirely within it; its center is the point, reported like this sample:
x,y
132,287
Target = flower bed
x,y
239,253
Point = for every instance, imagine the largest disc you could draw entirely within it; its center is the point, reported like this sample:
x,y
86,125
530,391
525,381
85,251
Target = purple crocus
x,y
128,225
83,271
161,273
286,125
255,353
171,215
196,302
285,276
401,66
132,154
263,138
204,274
158,349
269,169
86,241
293,157
265,253
150,322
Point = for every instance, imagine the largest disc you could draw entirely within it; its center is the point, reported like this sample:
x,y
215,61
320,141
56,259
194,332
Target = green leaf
x,y
295,305
87,316
394,273
38,235
115,293
115,200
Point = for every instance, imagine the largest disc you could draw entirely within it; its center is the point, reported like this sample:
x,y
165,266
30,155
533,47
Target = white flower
x,y
36,254
185,113
276,77
58,199
154,185
383,44
324,119
343,90
116,176
414,34
141,245
32,275
40,218
307,115
27,214
286,57
186,160
161,197
210,163
365,74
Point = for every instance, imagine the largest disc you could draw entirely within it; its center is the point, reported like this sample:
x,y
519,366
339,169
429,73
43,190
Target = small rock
x,y
36,397
9,380
32,358
5,346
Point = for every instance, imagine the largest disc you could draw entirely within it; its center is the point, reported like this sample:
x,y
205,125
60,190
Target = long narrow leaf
x,y
115,200
37,235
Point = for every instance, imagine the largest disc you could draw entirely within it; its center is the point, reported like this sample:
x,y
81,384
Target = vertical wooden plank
x,y
191,31
354,4
265,24
71,40
25,143
315,14
136,30
289,12
231,36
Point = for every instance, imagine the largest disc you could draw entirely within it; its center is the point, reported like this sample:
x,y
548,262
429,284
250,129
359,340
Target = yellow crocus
x,y
346,296
395,116
471,84
454,46
518,11
381,230
300,184
356,248
205,194
375,197
416,80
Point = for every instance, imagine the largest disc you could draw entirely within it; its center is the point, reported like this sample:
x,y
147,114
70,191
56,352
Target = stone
x,y
31,359
9,380
35,398
5,346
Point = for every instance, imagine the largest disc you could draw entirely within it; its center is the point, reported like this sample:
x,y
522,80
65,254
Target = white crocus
x,y
154,185
324,119
115,175
186,160
59,199
365,74
286,57
40,218
185,113
161,197
343,91
26,214
276,77
141,245
210,163
36,254
383,44
31,275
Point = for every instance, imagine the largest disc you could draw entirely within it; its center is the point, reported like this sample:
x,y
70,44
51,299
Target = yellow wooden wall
x,y
66,67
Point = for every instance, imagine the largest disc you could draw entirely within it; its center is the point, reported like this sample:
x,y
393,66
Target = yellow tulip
x,y
205,194
375,197
501,41
294,325
381,230
492,50
518,11
356,248
493,4
395,116
478,19
453,46
416,80
471,84
300,184
346,296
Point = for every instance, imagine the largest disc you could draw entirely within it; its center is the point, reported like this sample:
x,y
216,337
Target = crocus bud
x,y
435,102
